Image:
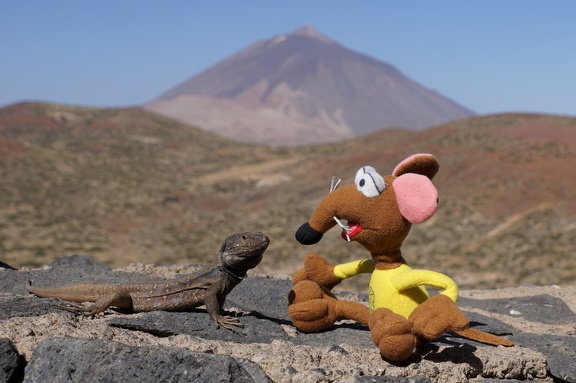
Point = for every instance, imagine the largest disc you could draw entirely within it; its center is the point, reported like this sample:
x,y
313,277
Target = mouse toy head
x,y
378,211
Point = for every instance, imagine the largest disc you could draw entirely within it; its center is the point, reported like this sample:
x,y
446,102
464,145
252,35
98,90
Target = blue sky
x,y
488,55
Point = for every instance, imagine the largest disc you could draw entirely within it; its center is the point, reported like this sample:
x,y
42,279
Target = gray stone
x,y
560,352
84,360
263,297
198,323
11,362
353,334
253,370
263,311
24,307
254,330
541,308
84,263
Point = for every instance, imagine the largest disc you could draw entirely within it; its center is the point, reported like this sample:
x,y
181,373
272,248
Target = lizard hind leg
x,y
121,300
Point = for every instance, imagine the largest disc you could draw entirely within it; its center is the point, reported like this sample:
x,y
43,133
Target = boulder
x,y
60,345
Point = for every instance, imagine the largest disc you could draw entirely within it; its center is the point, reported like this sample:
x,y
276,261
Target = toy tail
x,y
483,337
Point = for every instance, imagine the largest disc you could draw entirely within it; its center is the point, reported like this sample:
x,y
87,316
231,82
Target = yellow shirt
x,y
400,289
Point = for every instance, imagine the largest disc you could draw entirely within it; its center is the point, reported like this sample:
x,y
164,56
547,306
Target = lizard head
x,y
243,251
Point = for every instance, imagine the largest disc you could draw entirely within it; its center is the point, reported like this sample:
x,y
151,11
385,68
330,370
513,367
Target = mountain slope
x,y
127,185
303,88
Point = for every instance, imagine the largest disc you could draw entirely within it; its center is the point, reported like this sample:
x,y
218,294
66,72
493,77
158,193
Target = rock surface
x,y
11,362
57,345
96,360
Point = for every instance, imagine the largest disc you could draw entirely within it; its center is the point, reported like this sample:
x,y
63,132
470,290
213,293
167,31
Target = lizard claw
x,y
74,307
228,322
84,310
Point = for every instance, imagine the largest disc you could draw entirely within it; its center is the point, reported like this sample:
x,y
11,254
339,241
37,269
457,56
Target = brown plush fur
x,y
314,308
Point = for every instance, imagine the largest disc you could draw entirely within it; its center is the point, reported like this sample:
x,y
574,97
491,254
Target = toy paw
x,y
310,308
311,316
320,271
436,316
392,333
299,276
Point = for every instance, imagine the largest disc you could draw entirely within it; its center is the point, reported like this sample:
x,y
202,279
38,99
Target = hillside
x,y
303,88
127,185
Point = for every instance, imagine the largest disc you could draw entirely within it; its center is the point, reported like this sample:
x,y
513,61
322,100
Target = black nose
x,y
307,235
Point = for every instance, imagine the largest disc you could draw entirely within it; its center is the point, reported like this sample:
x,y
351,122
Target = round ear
x,y
421,163
416,196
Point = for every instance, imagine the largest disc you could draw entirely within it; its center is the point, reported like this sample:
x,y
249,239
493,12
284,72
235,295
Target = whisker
x,y
346,228
339,223
334,186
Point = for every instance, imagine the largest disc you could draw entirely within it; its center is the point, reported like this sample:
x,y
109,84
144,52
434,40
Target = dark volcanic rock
x,y
83,360
11,362
559,350
352,334
263,297
260,305
198,323
541,308
26,306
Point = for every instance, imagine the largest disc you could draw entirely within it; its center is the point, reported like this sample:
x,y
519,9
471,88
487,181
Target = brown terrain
x,y
128,185
303,88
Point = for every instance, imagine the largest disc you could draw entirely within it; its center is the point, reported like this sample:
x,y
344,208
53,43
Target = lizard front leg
x,y
214,301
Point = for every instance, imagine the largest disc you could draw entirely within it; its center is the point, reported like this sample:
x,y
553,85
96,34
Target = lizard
x,y
208,286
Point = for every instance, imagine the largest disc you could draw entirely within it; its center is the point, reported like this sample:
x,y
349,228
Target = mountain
x,y
303,88
128,185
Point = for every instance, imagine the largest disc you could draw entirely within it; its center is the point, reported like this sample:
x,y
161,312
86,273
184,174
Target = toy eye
x,y
369,182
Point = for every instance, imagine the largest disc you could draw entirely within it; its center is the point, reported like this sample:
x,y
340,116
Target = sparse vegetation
x,y
125,185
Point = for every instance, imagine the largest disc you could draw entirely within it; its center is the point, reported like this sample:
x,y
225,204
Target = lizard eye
x,y
369,182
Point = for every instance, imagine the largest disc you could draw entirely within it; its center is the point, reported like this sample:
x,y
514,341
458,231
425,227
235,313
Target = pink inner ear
x,y
416,196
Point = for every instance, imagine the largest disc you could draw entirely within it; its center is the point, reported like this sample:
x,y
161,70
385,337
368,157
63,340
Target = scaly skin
x,y
209,286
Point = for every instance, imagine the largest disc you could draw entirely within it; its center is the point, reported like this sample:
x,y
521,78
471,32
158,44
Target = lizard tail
x,y
483,337
33,290
29,286
78,292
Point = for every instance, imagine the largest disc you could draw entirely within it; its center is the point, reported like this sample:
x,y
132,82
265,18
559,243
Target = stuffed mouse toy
x,y
380,212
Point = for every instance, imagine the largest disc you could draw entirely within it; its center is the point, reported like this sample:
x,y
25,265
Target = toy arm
x,y
347,270
434,279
